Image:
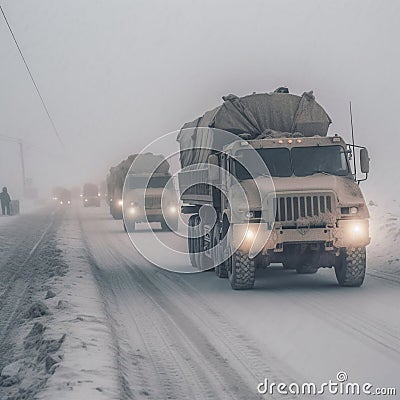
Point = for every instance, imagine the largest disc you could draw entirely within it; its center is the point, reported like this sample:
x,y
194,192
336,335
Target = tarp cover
x,y
256,115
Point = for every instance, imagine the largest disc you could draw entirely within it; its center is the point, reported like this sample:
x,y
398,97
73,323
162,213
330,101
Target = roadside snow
x,y
384,250
88,367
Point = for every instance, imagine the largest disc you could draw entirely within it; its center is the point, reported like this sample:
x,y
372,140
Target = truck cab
x,y
315,216
150,199
90,195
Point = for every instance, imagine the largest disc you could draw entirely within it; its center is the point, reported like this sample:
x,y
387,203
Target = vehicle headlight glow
x,y
120,202
353,210
132,210
249,234
69,202
86,200
173,209
356,229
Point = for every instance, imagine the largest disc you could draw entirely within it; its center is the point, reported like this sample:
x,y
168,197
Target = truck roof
x,y
288,142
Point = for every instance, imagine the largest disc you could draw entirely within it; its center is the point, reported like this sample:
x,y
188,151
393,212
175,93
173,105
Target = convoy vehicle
x,y
149,194
64,197
115,184
313,214
90,195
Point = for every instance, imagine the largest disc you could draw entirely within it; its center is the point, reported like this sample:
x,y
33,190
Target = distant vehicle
x,y
149,194
56,193
64,198
90,195
145,185
115,183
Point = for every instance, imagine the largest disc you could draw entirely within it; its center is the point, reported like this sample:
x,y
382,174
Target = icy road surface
x,y
134,331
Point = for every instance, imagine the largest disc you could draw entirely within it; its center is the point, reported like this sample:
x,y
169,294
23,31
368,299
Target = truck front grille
x,y
152,202
291,208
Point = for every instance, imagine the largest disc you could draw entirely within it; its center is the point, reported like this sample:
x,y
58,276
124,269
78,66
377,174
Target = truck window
x,y
277,161
311,160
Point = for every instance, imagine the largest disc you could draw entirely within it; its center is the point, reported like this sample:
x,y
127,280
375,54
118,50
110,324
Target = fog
x,y
116,75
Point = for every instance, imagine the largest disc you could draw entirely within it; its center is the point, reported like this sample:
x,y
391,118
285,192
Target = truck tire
x,y
241,271
198,244
350,266
191,240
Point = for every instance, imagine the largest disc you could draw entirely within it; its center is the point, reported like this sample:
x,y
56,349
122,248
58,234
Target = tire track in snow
x,y
18,286
175,344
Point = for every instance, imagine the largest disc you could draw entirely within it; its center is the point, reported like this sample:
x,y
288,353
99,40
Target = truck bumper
x,y
256,238
135,214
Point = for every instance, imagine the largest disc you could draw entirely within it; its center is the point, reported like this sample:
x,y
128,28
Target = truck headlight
x,y
249,234
357,229
86,200
353,210
132,210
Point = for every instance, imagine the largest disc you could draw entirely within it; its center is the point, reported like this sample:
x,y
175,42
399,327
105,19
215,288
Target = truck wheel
x,y
191,240
350,266
241,271
198,243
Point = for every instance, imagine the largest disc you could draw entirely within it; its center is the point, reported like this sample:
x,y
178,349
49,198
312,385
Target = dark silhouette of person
x,y
5,201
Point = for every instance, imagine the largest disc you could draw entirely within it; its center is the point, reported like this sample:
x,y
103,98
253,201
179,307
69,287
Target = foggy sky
x,y
117,74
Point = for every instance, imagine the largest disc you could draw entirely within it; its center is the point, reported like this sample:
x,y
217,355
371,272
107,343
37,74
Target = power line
x,y
33,80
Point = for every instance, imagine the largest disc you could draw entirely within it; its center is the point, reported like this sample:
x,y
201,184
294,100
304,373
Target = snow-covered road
x,y
154,334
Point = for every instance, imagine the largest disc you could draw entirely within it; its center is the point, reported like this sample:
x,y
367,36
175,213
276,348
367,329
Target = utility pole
x,y
21,154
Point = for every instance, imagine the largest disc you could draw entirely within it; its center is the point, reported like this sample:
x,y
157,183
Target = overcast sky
x,y
117,74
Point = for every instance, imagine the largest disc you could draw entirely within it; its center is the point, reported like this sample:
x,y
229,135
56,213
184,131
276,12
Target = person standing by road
x,y
5,201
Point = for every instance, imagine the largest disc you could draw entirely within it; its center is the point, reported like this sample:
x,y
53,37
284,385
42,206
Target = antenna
x,y
353,145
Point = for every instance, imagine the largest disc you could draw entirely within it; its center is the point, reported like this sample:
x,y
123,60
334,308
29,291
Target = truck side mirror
x,y
364,161
213,168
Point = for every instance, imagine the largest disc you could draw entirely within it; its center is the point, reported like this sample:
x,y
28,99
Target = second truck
x,y
140,189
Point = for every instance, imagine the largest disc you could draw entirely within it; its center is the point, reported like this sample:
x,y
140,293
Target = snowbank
x,y
384,250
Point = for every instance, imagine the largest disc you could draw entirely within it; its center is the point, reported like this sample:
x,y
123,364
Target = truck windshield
x,y
142,182
276,160
326,159
300,161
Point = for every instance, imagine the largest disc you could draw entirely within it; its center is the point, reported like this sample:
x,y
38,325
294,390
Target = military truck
x,y
90,195
149,194
64,198
115,184
313,214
